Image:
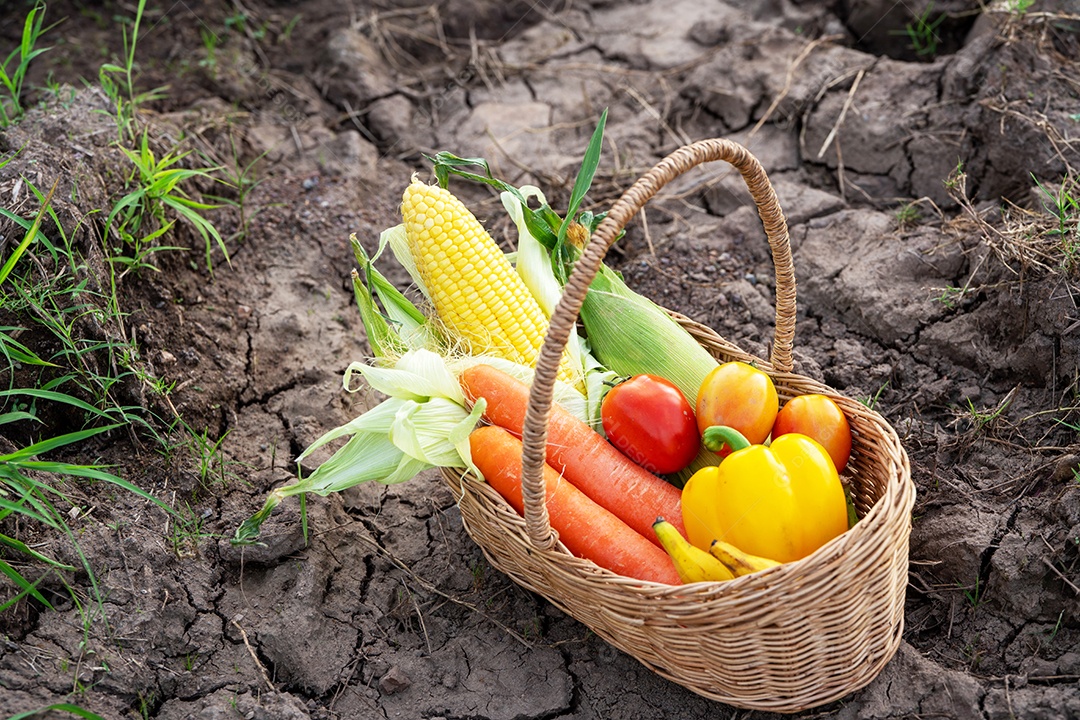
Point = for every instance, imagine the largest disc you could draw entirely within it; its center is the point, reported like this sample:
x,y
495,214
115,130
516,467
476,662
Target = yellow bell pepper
x,y
781,501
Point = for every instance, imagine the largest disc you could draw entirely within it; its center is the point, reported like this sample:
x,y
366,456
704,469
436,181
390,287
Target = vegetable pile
x,y
659,464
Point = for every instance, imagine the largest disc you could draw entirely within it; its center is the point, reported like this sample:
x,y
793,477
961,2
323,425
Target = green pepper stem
x,y
716,436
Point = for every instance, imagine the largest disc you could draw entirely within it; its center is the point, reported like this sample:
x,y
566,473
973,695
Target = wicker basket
x,y
786,639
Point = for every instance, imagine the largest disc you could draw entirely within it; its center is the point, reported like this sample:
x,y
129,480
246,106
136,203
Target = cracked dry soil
x,y
388,610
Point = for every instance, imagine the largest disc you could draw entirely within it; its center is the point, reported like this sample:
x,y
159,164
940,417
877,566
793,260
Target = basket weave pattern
x,y
789,638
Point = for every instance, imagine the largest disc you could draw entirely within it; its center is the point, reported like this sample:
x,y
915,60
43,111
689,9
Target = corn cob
x,y
471,284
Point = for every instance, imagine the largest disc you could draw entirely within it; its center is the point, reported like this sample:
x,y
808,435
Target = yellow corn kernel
x,y
474,289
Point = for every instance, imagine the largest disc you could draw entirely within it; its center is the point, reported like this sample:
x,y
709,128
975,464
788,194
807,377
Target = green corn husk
x,y
403,327
632,335
423,424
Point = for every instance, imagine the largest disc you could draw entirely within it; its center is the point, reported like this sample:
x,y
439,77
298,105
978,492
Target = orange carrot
x,y
588,530
590,462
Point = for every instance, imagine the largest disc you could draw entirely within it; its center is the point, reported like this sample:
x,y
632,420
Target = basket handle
x,y
564,317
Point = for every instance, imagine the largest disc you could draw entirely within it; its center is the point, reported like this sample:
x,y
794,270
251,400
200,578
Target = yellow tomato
x,y
738,395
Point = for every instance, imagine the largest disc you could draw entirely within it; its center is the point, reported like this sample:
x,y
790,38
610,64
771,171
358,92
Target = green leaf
x,y
58,707
381,337
585,175
26,550
542,223
56,442
16,416
55,397
403,326
15,351
27,588
10,507
28,238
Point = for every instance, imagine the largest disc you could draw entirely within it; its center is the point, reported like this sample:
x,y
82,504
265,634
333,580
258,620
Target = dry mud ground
x,y
942,298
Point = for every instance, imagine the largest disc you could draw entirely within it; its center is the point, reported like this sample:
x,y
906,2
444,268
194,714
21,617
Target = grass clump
x,y
30,488
922,32
142,216
72,371
1045,240
13,70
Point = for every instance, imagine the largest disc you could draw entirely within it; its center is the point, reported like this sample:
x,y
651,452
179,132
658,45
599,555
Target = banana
x,y
692,563
737,561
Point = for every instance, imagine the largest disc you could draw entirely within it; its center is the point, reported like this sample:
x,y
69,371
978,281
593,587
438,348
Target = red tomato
x,y
740,396
649,420
820,418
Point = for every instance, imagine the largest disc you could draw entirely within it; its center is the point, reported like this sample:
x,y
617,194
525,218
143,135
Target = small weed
x,y
974,655
984,419
210,40
923,32
241,179
534,630
141,217
187,532
950,296
14,67
478,576
957,178
1057,627
156,385
118,81
211,458
872,401
1064,206
286,33
975,595
239,23
907,215
146,705
1018,7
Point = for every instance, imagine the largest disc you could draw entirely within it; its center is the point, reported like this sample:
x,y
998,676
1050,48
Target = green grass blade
x,y
542,226
94,472
16,416
13,155
26,587
16,352
23,548
585,175
56,442
30,235
58,707
11,507
205,228
56,397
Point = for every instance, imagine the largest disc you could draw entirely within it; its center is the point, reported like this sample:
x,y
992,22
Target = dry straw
x,y
789,638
